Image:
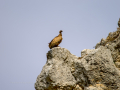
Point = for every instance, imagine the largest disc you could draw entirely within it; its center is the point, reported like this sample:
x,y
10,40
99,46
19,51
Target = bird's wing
x,y
53,40
57,39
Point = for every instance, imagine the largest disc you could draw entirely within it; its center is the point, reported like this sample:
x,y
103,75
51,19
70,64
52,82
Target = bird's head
x,y
60,31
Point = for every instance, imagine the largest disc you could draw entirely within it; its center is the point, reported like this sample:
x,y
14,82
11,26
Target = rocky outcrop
x,y
96,69
64,71
112,42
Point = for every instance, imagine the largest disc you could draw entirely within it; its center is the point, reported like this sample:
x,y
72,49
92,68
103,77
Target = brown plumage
x,y
56,41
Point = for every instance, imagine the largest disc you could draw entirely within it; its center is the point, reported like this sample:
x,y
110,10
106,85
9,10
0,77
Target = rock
x,y
112,42
92,88
57,72
118,58
96,87
64,71
119,22
77,88
117,64
96,69
87,51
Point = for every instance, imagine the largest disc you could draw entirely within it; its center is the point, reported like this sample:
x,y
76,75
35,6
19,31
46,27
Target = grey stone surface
x,y
96,69
63,70
117,64
92,88
57,71
112,42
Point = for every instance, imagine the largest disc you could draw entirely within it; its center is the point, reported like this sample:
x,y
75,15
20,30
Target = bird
x,y
56,41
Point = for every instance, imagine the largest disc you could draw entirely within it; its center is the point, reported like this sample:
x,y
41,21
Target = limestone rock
x,y
117,64
112,42
77,88
64,71
93,88
96,69
57,71
87,51
97,87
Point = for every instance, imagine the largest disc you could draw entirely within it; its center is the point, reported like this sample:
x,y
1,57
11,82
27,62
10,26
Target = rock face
x,y
96,69
112,42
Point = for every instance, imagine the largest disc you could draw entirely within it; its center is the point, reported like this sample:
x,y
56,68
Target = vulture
x,y
56,41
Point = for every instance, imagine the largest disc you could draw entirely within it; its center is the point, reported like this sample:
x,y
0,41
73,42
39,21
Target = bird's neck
x,y
60,34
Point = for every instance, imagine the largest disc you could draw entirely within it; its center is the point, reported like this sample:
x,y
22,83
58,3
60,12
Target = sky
x,y
27,26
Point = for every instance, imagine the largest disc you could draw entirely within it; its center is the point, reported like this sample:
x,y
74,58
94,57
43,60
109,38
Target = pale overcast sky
x,y
27,26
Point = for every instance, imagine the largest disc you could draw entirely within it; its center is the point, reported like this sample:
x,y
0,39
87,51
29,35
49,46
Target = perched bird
x,y
56,41
119,22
